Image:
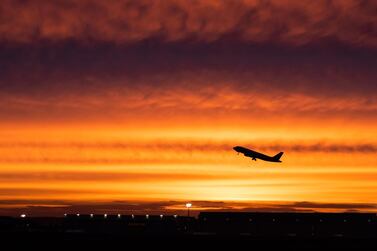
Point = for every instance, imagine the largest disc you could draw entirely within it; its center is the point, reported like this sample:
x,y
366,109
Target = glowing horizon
x,y
144,105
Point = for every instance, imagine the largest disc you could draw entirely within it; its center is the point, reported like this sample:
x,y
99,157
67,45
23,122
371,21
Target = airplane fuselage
x,y
256,155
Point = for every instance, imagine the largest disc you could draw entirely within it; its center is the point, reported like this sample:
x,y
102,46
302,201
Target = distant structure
x,y
307,231
254,225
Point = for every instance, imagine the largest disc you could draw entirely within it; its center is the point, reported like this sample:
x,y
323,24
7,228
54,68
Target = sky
x,y
134,106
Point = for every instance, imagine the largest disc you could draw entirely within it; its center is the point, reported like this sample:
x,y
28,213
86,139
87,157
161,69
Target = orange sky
x,y
63,165
138,110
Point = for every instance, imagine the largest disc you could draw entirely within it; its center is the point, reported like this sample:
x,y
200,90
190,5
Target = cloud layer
x,y
58,208
290,22
168,151
72,82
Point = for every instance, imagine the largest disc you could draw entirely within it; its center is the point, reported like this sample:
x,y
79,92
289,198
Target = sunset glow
x,y
138,111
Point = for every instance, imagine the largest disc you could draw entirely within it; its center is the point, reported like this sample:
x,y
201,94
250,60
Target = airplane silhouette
x,y
255,155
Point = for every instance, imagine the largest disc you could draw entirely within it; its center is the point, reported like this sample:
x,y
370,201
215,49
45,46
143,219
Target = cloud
x,y
66,61
290,22
188,146
155,151
70,78
348,206
102,176
116,102
207,98
58,208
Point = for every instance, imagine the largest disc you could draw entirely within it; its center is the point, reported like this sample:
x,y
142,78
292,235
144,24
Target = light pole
x,y
188,205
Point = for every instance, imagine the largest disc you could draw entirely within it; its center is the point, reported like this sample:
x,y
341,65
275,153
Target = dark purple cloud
x,y
68,68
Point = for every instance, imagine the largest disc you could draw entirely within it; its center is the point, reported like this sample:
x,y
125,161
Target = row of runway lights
x,y
188,206
105,216
120,216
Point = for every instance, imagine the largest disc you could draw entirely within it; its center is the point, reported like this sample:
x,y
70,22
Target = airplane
x,y
255,155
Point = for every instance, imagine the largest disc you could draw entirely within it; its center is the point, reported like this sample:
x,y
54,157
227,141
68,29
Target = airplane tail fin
x,y
278,156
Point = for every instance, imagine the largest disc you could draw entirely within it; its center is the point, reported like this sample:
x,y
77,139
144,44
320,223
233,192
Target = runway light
x,y
23,215
161,216
119,215
77,215
147,216
65,215
91,215
133,216
105,216
175,216
188,205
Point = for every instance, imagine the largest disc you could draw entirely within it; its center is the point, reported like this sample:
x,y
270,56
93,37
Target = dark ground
x,y
247,230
